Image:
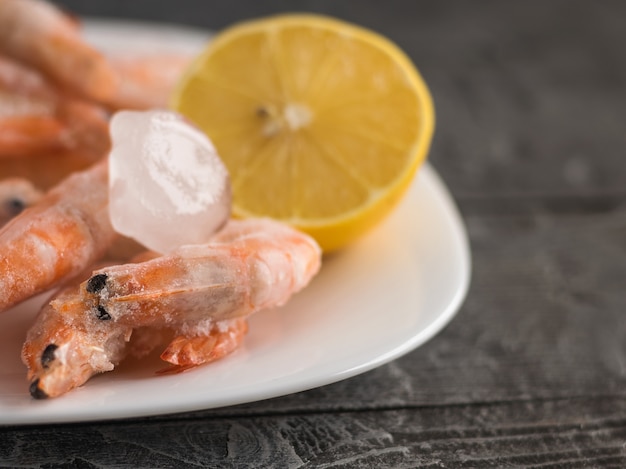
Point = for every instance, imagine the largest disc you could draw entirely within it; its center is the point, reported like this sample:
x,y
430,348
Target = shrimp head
x,y
69,344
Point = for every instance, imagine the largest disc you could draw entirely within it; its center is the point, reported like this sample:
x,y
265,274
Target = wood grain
x,y
550,433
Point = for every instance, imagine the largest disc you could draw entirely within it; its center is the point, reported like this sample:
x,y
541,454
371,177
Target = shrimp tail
x,y
223,337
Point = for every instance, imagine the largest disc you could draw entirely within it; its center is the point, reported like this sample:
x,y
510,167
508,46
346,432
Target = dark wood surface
x,y
531,141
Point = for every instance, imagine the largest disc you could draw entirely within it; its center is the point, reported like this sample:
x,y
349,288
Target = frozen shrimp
x,y
198,296
146,80
37,34
40,35
36,118
27,107
47,169
44,134
29,135
20,79
16,194
57,238
75,127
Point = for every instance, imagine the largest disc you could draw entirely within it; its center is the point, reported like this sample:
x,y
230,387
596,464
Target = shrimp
x,y
47,169
44,134
16,194
146,80
66,346
57,238
76,127
29,135
37,118
197,297
38,34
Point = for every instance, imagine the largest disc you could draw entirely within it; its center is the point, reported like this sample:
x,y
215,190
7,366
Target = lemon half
x,y
322,124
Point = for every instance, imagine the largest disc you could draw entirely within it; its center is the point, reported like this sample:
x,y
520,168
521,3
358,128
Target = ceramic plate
x,y
371,303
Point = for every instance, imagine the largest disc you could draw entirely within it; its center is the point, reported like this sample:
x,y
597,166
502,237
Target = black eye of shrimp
x,y
15,206
102,314
36,391
96,283
47,355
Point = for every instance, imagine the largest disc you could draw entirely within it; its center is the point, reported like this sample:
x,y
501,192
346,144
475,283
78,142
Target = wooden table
x,y
531,112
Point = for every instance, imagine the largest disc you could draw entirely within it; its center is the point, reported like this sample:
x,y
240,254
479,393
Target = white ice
x,y
167,185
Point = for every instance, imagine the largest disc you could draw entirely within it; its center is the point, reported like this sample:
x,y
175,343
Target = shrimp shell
x,y
37,118
197,298
248,266
38,34
57,238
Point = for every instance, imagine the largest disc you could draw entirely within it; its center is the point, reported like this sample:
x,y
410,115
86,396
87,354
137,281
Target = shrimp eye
x,y
48,355
102,313
96,283
15,206
36,391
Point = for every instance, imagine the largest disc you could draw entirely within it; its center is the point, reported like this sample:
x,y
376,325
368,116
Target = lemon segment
x,y
321,124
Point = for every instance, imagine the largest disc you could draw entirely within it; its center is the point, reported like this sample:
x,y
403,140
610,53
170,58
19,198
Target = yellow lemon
x,y
321,123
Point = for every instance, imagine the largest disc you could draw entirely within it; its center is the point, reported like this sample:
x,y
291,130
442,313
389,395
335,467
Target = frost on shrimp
x,y
67,345
198,296
57,238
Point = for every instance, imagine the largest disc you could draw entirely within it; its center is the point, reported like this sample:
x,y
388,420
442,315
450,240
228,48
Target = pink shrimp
x,y
76,127
146,80
45,135
57,238
38,34
198,296
36,118
29,135
47,169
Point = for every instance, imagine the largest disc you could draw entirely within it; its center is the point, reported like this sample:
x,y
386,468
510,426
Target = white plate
x,y
377,300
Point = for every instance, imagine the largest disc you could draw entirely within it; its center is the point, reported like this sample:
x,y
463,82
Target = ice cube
x,y
167,185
